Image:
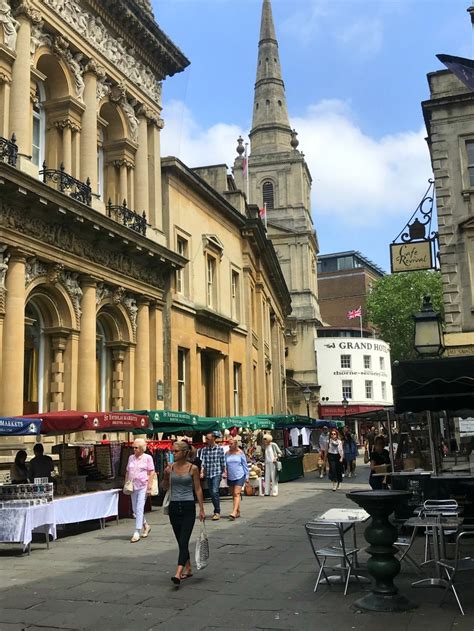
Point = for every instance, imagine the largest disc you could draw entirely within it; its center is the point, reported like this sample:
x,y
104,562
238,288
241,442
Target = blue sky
x,y
355,75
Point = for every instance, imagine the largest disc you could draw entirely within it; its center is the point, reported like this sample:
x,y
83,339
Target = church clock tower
x,y
279,182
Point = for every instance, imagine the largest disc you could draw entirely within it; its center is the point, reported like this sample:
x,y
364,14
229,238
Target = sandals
x,y
183,576
176,581
233,517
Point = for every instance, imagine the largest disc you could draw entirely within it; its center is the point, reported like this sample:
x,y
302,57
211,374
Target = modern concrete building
x,y
279,182
449,119
344,281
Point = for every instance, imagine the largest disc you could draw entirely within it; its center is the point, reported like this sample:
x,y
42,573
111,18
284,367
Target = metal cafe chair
x,y
327,542
458,565
445,508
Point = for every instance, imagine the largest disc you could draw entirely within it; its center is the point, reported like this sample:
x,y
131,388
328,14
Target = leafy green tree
x,y
392,302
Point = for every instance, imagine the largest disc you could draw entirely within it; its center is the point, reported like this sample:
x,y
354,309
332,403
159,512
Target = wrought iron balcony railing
x,y
79,191
9,150
127,217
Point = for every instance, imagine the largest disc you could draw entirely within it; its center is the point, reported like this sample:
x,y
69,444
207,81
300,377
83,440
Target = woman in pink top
x,y
140,470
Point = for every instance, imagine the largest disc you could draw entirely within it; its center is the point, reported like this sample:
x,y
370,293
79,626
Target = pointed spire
x,y
271,129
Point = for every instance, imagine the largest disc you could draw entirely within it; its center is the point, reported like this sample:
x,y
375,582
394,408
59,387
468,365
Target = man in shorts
x,y
323,450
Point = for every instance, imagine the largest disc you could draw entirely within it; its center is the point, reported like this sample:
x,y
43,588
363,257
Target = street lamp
x,y
428,330
307,397
345,403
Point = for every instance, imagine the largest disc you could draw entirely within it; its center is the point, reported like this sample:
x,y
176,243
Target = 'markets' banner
x,y
19,426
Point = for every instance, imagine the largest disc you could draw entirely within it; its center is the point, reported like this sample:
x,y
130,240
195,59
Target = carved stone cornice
x,y
123,162
4,78
93,67
67,123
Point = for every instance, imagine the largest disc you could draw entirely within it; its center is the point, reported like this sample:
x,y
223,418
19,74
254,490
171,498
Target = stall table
x,y
18,523
291,468
78,508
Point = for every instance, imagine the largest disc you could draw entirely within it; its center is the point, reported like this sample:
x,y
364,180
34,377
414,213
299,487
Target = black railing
x,y
127,217
78,190
9,150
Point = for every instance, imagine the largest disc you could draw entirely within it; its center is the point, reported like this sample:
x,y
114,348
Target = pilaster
x,y
86,373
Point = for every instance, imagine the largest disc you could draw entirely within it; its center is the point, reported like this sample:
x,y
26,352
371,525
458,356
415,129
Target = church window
x,y
279,103
256,106
268,195
267,102
470,161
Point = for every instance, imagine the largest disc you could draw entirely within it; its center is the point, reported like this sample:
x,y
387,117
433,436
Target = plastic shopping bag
x,y
202,549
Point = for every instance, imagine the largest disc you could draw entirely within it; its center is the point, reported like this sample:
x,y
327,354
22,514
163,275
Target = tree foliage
x,y
392,302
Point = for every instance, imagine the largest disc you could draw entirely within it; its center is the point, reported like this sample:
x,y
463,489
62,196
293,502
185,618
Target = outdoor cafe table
x,y
87,506
438,524
347,519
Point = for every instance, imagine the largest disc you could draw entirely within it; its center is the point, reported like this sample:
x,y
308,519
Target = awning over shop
x,y
70,421
433,384
19,426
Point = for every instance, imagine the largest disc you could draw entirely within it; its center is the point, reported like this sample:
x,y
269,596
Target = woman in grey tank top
x,y
182,479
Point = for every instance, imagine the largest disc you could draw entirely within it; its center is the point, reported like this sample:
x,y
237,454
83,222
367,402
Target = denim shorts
x,y
240,482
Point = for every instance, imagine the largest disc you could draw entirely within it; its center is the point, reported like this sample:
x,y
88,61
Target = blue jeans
x,y
213,486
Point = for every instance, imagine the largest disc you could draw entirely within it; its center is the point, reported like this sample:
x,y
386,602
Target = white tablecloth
x,y
76,508
17,524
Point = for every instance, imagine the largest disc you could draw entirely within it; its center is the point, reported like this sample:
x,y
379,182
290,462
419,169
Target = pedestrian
x,y
182,480
237,474
323,451
379,463
370,440
19,470
335,458
40,466
213,467
140,471
272,454
350,453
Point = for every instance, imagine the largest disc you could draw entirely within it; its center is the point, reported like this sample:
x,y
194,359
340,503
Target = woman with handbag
x,y
180,480
272,465
237,474
335,458
138,483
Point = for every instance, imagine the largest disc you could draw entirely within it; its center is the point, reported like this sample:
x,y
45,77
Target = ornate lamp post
x,y
307,398
429,340
345,404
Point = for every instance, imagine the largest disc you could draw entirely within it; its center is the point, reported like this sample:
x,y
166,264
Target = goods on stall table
x,y
68,459
103,459
26,494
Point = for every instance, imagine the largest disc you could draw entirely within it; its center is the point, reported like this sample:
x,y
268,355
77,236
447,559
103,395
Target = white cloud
x,y
357,179
364,37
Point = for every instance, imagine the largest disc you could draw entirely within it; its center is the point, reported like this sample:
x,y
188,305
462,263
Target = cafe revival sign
x,y
411,257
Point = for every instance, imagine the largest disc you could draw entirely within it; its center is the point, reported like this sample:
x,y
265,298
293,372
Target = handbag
x,y
278,465
128,487
248,489
154,486
167,497
202,549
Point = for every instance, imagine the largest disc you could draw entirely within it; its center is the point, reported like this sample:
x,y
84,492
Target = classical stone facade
x,y
84,262
278,180
226,351
449,118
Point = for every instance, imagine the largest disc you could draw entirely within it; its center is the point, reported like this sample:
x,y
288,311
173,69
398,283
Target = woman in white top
x,y
335,458
272,453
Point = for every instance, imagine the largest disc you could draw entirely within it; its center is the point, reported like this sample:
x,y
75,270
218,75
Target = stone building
x,y
84,264
226,350
449,119
110,284
278,180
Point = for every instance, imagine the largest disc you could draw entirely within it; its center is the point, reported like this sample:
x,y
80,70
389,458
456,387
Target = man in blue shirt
x,y
213,466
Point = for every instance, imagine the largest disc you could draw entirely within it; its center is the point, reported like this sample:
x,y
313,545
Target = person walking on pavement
x,y
237,474
182,479
323,451
213,467
272,453
350,453
140,470
335,458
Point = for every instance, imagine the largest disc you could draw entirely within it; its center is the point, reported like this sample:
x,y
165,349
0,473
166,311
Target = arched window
x,y
39,127
268,195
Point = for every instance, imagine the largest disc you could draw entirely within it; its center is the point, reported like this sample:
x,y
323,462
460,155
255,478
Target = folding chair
x,y
459,564
445,508
320,532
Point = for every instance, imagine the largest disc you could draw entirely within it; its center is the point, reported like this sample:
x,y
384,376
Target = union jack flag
x,y
354,313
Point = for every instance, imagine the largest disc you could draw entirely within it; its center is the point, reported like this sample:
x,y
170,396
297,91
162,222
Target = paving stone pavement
x,y
261,576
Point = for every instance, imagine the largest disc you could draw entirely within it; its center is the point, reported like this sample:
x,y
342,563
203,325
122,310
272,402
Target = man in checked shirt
x,y
213,467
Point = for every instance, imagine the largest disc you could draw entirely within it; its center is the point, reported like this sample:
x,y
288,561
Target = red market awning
x,y
70,421
338,411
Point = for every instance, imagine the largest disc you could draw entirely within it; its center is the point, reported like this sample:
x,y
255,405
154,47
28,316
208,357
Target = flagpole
x,y
360,322
247,185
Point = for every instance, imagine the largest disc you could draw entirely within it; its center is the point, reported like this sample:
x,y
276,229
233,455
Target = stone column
x,y
154,174
130,188
58,346
67,147
20,104
14,336
76,154
123,182
142,356
86,372
218,396
141,167
89,128
118,355
5,106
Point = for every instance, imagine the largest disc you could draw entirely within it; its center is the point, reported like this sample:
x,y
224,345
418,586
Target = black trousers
x,y
182,518
335,468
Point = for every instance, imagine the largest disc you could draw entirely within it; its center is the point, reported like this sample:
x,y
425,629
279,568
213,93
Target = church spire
x,y
271,130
